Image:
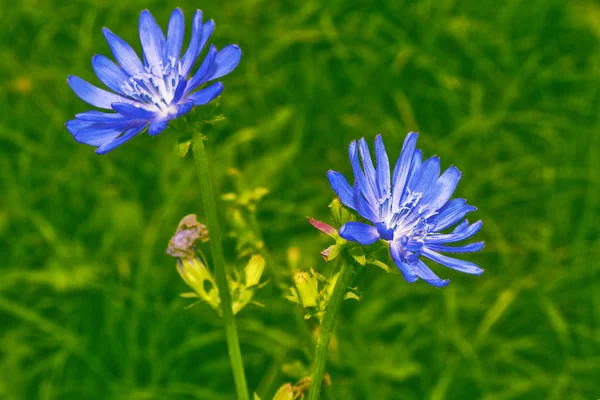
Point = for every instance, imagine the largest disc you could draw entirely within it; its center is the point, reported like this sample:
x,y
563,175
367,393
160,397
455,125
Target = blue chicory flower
x,y
149,94
410,211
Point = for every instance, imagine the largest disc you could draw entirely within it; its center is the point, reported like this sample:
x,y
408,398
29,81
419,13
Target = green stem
x,y
210,209
339,291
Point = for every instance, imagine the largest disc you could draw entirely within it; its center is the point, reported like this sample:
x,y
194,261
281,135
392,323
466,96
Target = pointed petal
x,y
179,91
106,147
425,273
367,163
200,35
442,190
123,53
175,34
206,95
407,271
450,213
402,169
467,248
426,176
359,232
455,236
96,136
226,61
359,176
98,116
153,42
185,108
342,188
92,94
133,112
157,127
454,263
109,73
200,76
364,208
383,167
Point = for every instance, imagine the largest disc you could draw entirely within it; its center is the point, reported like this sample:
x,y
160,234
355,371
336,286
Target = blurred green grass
x,y
508,92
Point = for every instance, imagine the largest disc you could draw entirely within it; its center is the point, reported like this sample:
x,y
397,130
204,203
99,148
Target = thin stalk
x,y
210,209
339,291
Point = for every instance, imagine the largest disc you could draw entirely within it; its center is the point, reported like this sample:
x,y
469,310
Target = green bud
x,y
286,392
194,273
340,214
254,270
306,285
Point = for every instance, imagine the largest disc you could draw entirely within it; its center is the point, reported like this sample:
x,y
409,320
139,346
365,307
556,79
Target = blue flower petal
x,y
365,209
456,264
123,53
133,112
200,35
200,76
359,232
175,35
461,233
425,273
185,108
442,190
402,169
383,168
367,163
407,271
92,94
98,116
426,176
153,42
467,248
129,134
359,176
207,94
97,136
109,73
179,91
226,61
450,214
157,127
342,188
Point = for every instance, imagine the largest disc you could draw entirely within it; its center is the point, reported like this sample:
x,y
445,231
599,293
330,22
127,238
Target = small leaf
x,y
384,267
192,305
189,295
359,255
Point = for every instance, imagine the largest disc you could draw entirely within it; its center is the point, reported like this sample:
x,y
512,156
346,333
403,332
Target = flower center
x,y
155,88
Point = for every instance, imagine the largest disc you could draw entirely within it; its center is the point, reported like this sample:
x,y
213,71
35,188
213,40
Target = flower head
x,y
189,231
149,94
408,209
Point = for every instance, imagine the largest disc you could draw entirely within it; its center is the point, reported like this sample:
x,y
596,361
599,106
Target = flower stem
x,y
339,291
210,209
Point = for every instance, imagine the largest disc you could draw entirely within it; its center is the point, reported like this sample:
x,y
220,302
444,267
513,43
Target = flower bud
x,y
195,274
340,214
286,392
188,233
306,285
254,270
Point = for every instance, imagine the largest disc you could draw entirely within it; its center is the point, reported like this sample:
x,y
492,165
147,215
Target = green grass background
x,y
507,91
